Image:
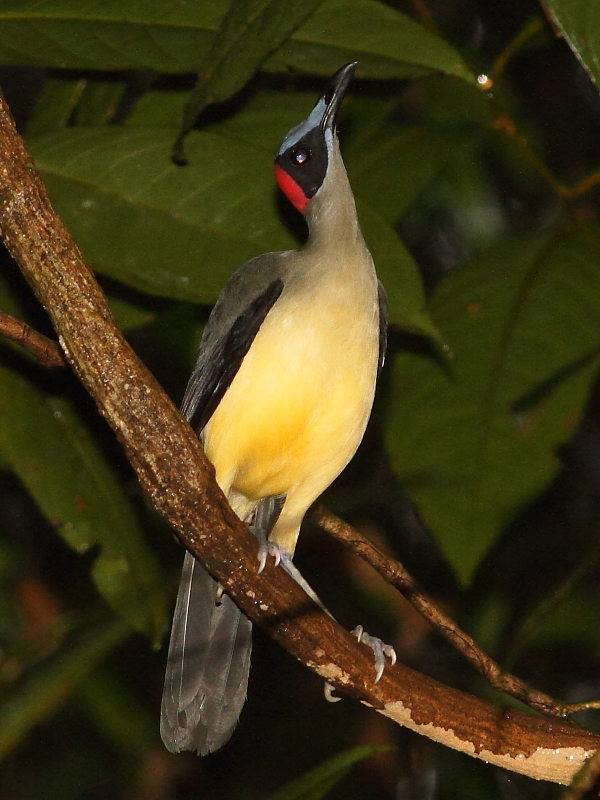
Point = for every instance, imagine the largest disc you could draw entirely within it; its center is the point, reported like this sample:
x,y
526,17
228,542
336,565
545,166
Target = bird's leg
x,y
293,571
260,523
379,648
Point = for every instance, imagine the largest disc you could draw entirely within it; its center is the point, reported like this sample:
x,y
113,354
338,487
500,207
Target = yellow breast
x,y
298,406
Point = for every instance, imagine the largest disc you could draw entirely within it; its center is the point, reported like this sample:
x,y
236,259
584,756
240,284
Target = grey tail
x,y
209,655
207,666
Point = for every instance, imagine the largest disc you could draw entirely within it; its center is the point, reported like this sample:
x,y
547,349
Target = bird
x,y
280,396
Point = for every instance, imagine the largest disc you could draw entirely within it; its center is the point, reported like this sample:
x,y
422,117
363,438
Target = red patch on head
x,y
291,189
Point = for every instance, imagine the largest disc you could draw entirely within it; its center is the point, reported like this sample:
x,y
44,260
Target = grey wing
x,y
383,324
229,333
207,666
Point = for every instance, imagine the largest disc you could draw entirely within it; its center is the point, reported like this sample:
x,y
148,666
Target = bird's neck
x,y
332,221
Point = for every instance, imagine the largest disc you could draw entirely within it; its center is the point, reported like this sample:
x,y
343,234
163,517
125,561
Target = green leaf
x,y
113,186
61,466
471,448
397,166
128,315
579,23
250,32
116,713
55,104
315,784
112,35
400,276
171,231
41,693
386,44
175,38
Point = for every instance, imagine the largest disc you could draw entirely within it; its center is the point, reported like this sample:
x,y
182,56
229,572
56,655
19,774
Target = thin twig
x,y
515,44
45,350
396,574
504,124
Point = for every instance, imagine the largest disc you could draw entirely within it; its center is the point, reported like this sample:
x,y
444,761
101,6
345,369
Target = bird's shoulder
x,y
239,312
247,283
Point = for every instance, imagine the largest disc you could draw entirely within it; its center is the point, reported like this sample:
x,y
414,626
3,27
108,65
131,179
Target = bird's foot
x,y
329,690
380,650
266,549
219,594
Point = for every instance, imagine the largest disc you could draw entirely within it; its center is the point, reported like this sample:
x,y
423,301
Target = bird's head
x,y
305,154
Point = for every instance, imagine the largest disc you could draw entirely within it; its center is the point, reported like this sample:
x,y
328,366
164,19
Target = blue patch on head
x,y
309,124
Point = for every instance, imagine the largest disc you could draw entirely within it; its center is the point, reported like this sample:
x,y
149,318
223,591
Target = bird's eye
x,y
300,156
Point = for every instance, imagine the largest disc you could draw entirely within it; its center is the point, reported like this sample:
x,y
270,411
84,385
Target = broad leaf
x,y
181,232
61,466
172,231
579,22
316,784
386,44
175,38
42,692
473,446
400,276
250,32
128,315
55,105
393,170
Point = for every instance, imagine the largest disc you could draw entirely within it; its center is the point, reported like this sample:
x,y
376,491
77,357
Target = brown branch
x,y
179,484
396,574
46,351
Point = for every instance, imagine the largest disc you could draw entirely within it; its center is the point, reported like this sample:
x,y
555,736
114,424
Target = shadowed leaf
x,y
61,466
520,317
316,784
579,23
43,691
175,38
112,186
249,33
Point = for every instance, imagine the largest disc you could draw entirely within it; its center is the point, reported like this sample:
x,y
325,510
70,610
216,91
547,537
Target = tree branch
x,y
46,351
396,575
179,484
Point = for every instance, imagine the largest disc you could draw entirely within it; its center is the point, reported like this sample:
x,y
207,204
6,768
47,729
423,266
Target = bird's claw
x,y
329,690
219,594
380,650
266,549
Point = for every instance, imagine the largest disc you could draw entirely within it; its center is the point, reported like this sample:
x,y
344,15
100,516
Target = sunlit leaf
x,y
315,784
61,466
41,693
473,446
175,38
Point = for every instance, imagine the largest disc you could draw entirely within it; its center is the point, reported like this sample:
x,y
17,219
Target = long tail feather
x,y
207,666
